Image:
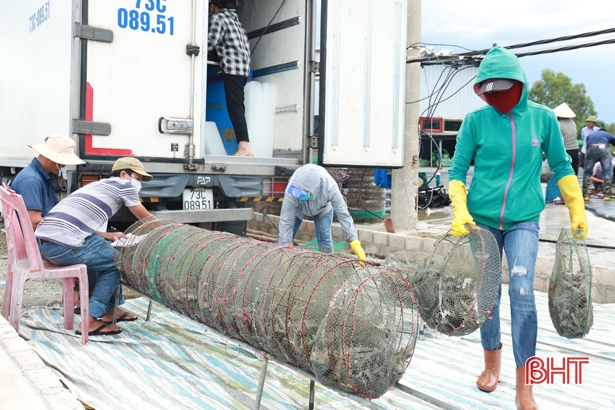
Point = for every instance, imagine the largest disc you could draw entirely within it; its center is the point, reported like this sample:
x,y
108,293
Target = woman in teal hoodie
x,y
506,140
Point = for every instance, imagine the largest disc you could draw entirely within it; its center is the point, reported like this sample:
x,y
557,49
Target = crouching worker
x,y
67,236
313,192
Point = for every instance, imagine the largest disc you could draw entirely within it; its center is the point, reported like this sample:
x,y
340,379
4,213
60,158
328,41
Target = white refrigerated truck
x,y
129,78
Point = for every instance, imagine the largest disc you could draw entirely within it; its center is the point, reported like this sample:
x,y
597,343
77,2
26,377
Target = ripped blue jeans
x,y
521,246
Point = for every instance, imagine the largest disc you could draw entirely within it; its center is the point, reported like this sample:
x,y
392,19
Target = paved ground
x,y
26,381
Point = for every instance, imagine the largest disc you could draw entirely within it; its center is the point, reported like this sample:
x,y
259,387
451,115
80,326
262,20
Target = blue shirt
x,y
34,184
600,137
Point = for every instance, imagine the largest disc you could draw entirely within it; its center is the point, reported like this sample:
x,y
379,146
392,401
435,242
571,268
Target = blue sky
x,y
477,24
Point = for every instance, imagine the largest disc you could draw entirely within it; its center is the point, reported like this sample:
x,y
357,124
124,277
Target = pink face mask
x,y
506,100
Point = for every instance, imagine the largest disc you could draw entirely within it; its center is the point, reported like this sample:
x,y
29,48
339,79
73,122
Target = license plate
x,y
198,198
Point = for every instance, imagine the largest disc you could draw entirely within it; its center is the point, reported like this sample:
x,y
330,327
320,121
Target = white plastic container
x,y
213,142
260,100
544,190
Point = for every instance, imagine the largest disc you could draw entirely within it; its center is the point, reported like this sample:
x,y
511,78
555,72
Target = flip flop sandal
x,y
124,318
98,331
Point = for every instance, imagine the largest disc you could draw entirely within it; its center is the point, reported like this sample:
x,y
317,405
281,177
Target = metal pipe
x,y
311,400
261,382
117,303
149,311
190,164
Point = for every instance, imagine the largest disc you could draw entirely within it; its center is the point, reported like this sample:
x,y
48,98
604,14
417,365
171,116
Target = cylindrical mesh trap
x,y
570,297
456,286
285,301
367,338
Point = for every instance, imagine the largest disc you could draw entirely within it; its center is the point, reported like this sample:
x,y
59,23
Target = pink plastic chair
x,y
25,262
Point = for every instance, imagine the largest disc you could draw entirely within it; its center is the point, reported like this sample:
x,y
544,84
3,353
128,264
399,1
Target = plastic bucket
x,y
217,111
552,191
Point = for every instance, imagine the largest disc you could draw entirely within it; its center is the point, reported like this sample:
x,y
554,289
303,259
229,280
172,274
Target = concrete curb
x,y
33,383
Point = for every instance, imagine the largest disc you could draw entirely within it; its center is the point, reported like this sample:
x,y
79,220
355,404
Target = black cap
x,y
495,85
219,3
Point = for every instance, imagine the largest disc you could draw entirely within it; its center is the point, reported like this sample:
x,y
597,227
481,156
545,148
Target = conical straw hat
x,y
563,111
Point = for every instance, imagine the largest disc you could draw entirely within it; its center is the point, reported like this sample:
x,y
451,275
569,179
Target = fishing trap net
x,y
287,301
456,286
570,286
367,338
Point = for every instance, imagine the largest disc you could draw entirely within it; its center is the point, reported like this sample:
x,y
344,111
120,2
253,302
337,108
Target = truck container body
x,y
131,78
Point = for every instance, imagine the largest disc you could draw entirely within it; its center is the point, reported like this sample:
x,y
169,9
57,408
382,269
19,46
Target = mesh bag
x,y
407,262
456,288
570,297
367,338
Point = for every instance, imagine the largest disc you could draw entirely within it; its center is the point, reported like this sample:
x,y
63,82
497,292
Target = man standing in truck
x,y
229,39
313,192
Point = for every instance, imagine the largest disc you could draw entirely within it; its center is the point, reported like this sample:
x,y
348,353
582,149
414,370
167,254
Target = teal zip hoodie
x,y
507,151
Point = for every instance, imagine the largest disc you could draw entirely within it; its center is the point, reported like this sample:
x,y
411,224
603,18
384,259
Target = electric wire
x,y
438,95
566,48
589,245
551,40
437,44
361,195
267,27
463,57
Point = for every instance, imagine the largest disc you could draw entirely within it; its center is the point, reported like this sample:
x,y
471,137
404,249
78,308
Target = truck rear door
x,y
280,34
362,82
143,74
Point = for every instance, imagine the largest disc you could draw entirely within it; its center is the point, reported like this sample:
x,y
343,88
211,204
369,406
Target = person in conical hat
x,y
568,128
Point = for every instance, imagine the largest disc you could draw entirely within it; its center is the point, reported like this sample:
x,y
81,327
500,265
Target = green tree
x,y
556,88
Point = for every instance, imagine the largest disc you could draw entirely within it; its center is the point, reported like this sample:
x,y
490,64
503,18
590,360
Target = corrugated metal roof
x,y
450,89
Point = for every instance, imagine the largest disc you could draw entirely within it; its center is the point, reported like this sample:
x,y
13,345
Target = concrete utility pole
x,y
404,183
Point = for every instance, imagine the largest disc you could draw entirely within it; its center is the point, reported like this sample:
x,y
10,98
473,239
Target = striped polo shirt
x,y
81,213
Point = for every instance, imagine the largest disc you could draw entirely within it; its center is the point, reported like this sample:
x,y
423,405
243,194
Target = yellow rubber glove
x,y
357,249
570,189
459,201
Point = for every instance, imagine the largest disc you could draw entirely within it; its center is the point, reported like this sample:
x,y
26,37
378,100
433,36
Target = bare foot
x,y
108,317
98,327
243,148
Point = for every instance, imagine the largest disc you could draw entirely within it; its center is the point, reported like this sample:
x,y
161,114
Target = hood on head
x,y
501,63
307,178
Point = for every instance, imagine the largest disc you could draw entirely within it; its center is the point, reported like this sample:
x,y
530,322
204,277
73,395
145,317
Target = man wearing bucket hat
x,y
585,131
313,192
34,182
230,41
68,235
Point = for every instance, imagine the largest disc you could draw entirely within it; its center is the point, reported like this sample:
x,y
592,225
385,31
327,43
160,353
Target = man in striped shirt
x,y
228,37
67,235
